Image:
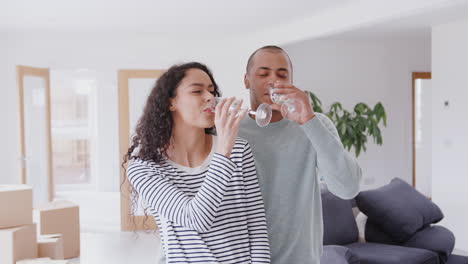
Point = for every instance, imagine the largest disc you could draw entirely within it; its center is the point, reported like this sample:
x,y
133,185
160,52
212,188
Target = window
x,y
72,119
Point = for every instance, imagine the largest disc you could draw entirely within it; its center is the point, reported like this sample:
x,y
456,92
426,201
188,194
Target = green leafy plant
x,y
354,127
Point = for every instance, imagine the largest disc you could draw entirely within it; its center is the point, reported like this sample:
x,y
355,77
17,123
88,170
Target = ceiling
x,y
181,16
284,21
414,25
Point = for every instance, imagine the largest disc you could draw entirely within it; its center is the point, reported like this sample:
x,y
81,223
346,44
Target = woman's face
x,y
193,102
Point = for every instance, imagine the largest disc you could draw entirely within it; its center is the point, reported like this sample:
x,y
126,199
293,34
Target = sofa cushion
x,y
338,220
374,234
373,253
399,209
338,255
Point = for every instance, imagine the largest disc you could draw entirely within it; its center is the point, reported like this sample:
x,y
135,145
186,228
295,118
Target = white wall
x,y
3,54
368,70
335,69
9,136
3,68
450,127
105,54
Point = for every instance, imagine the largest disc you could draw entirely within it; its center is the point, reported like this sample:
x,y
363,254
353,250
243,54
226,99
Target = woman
x,y
201,189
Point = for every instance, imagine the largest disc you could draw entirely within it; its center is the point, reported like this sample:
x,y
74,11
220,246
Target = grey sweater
x,y
287,156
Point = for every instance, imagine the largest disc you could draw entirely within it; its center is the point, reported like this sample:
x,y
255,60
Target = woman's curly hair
x,y
154,129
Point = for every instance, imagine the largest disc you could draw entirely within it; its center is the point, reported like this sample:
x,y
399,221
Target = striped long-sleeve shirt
x,y
213,216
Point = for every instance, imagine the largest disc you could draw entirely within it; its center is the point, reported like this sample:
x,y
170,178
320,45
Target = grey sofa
x,y
395,231
340,229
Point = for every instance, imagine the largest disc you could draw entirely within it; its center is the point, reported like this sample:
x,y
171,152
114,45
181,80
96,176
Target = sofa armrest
x,y
434,238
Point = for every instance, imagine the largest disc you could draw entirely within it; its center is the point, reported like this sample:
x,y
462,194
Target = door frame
x,y
130,222
44,73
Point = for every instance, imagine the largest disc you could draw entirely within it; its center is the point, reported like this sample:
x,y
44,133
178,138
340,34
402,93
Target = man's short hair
x,y
271,48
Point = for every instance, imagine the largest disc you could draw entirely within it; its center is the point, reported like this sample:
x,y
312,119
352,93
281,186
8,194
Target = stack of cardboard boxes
x,y
49,231
17,231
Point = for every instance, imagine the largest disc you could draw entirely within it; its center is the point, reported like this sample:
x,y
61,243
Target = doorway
x,y
422,132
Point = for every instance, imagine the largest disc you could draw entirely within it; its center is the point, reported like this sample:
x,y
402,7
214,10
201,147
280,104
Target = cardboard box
x,y
16,205
18,243
60,217
50,246
41,261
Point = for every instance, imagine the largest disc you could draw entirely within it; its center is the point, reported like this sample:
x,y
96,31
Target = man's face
x,y
266,68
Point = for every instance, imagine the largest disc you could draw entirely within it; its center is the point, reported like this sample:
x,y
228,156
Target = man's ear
x,y
246,82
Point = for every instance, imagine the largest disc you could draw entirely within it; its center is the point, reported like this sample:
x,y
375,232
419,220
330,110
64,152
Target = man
x,y
287,155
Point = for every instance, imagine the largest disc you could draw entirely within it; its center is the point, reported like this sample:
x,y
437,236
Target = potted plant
x,y
354,127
